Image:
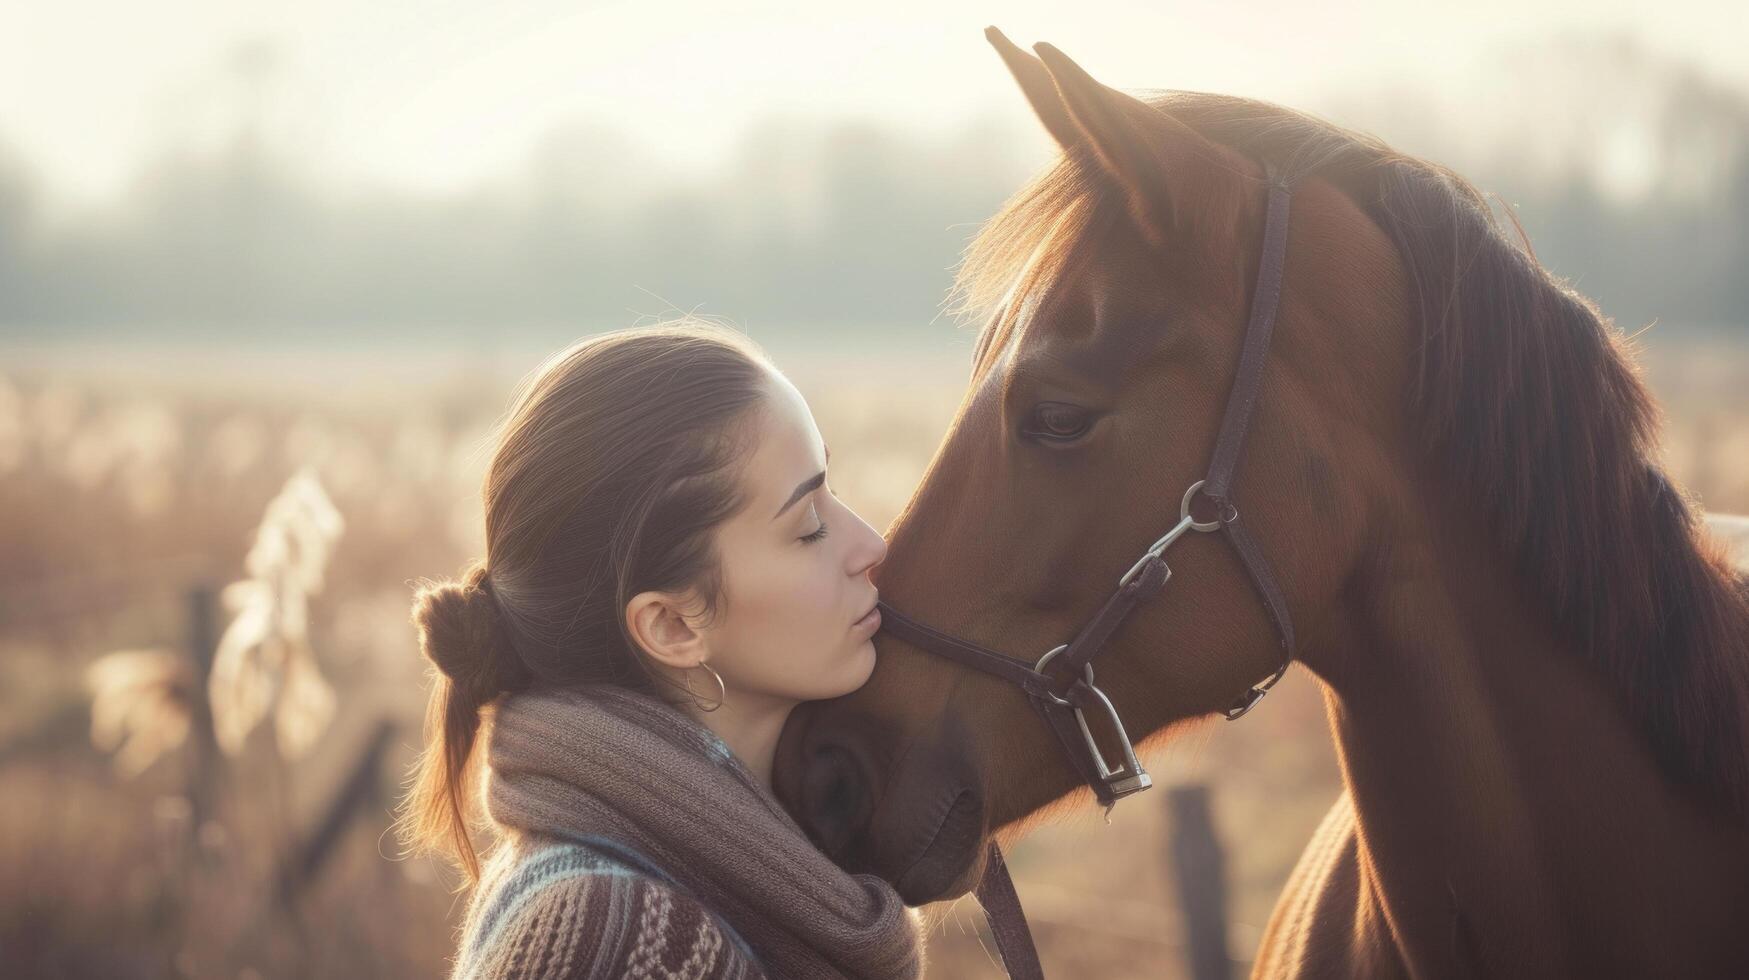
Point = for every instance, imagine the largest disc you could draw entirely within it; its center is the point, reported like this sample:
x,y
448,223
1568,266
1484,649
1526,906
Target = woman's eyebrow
x,y
806,487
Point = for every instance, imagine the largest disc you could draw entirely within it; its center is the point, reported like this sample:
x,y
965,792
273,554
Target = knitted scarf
x,y
613,763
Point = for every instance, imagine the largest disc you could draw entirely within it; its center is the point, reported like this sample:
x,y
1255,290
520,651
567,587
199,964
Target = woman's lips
x,y
870,622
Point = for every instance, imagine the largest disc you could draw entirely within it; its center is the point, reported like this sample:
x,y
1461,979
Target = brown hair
x,y
610,473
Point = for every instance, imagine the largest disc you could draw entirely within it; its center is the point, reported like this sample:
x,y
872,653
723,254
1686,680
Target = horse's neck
x,y
1510,819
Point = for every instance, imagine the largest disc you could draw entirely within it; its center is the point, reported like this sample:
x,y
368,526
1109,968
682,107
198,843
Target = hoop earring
x,y
722,691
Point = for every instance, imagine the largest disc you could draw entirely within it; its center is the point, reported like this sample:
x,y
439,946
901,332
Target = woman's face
x,y
796,621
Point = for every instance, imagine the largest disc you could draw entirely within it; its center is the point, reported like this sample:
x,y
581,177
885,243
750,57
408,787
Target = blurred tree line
x,y
1629,170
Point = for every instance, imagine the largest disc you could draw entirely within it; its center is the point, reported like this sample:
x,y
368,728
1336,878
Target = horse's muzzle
x,y
910,814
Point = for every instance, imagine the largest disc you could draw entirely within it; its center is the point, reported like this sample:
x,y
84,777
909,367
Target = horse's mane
x,y
1528,401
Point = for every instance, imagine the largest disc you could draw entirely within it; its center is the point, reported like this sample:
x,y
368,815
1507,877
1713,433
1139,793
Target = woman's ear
x,y
663,624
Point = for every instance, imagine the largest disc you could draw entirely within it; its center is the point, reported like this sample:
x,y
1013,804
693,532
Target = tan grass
x,y
90,873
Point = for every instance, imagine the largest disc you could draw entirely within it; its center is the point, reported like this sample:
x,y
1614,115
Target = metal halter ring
x,y
1039,668
1227,515
1186,523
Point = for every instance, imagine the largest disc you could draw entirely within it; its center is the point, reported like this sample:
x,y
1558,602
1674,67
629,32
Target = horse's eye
x,y
1058,422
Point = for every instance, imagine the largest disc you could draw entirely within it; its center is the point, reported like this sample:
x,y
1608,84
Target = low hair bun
x,y
462,633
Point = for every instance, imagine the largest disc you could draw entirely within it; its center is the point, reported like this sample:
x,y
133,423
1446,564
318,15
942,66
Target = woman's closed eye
x,y
819,532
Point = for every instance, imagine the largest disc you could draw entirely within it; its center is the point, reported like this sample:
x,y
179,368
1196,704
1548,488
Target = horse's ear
x,y
1173,177
1040,90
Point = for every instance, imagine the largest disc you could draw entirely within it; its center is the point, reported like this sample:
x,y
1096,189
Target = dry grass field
x,y
127,485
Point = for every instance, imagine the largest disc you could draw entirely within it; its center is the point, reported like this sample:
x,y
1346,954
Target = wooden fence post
x,y
358,791
1199,872
204,764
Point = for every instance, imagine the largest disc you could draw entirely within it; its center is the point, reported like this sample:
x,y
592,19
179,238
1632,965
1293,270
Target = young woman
x,y
667,574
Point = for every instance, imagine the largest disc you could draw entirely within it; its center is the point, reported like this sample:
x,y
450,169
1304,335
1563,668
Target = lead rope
x,y
1007,919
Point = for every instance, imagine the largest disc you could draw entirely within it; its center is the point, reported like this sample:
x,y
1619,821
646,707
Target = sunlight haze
x,y
434,97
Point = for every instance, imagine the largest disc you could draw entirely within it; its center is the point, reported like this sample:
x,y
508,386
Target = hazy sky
x,y
438,94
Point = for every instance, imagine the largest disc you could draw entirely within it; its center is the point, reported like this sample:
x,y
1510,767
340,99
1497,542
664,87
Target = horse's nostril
x,y
835,799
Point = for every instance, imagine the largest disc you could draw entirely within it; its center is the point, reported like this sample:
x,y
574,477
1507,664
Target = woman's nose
x,y
870,551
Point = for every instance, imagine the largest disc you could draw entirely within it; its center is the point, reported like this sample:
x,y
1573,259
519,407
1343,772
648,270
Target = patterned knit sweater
x,y
553,909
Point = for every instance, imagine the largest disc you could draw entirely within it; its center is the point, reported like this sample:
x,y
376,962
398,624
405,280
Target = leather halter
x,y
1060,684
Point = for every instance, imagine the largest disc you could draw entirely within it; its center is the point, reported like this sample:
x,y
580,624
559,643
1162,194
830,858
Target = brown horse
x,y
1533,657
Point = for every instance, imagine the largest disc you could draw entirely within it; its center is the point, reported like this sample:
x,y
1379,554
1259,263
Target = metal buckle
x,y
1255,693
1129,777
1228,515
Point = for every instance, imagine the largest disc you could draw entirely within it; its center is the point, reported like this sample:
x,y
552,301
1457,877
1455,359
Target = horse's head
x,y
1118,287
